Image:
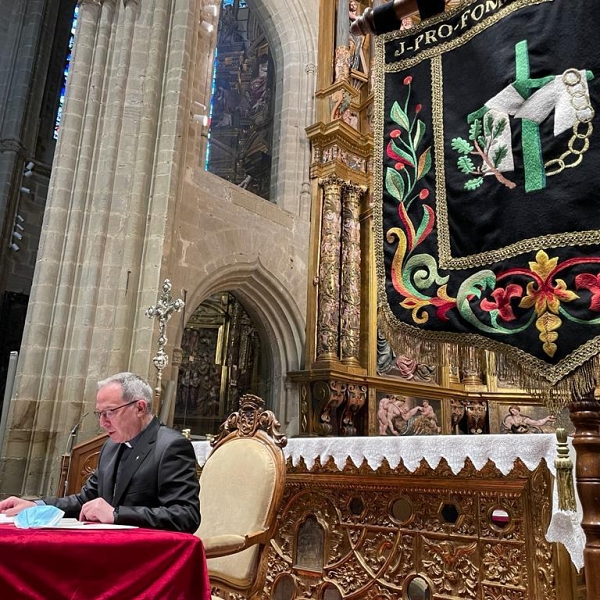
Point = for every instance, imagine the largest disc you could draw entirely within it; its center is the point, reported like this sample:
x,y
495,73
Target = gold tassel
x,y
564,473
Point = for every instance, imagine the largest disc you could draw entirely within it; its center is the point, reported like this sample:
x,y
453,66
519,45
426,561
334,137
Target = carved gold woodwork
x,y
335,407
329,271
338,148
356,397
327,397
351,276
370,550
365,550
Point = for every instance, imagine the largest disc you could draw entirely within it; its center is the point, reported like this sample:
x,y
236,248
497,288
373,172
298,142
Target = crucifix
x,y
164,309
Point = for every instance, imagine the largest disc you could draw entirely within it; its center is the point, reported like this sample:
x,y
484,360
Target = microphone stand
x,y
68,450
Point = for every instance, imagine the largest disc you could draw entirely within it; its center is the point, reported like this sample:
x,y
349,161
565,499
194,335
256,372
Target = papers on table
x,y
88,525
72,524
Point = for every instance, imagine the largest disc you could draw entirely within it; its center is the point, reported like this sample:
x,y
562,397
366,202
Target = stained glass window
x,y
240,137
61,101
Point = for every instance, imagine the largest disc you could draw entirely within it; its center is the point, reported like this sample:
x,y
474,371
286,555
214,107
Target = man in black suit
x,y
146,473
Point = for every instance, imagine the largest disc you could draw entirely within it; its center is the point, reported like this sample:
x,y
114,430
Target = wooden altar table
x,y
465,516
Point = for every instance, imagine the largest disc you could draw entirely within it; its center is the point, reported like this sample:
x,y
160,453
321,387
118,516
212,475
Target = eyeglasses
x,y
109,413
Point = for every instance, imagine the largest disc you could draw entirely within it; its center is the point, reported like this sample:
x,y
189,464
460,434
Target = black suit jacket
x,y
158,486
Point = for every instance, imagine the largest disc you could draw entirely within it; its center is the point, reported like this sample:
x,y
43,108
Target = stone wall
x,y
129,205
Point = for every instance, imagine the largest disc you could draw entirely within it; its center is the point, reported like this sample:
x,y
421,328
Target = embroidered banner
x,y
487,181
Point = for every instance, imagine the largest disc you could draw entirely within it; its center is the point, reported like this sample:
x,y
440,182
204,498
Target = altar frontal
x,y
486,184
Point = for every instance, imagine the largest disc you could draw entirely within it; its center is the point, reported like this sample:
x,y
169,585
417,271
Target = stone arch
x,y
275,313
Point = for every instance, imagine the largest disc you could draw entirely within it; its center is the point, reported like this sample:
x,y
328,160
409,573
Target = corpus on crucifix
x,y
164,309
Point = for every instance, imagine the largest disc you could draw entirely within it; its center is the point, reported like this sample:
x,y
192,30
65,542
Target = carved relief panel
x,y
357,534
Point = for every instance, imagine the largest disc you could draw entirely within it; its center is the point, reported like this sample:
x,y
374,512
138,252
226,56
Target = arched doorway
x,y
222,359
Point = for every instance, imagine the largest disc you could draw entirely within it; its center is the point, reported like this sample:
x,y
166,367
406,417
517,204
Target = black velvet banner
x,y
487,180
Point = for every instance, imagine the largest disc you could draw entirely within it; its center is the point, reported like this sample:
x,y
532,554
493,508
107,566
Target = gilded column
x,y
329,271
350,296
233,356
471,366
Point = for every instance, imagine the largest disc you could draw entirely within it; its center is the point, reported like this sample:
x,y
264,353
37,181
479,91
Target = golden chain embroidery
x,y
580,101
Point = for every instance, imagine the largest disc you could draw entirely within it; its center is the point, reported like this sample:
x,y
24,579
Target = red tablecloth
x,y
118,564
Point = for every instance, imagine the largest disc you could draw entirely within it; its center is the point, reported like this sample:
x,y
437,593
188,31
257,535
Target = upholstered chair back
x,y
241,486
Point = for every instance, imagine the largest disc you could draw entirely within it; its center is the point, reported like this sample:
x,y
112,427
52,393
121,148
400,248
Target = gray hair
x,y
133,387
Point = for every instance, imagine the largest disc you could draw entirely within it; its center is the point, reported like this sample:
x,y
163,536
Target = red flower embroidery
x,y
592,283
424,193
503,297
407,80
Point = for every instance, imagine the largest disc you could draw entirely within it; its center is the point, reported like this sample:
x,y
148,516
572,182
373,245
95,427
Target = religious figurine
x,y
476,418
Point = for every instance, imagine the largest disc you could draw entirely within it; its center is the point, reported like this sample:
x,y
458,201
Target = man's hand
x,y
13,506
97,510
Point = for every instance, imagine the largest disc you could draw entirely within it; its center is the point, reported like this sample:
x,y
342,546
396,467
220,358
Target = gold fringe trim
x,y
529,373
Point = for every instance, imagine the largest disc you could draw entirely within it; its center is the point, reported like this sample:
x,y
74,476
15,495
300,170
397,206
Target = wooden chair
x,y
241,487
78,465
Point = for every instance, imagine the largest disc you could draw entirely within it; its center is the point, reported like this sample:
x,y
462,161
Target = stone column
x,y
44,339
94,181
102,202
329,271
350,276
22,37
130,249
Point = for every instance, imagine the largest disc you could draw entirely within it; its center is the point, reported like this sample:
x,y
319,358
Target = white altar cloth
x,y
503,450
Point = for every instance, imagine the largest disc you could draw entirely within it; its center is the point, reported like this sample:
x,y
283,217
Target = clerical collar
x,y
133,441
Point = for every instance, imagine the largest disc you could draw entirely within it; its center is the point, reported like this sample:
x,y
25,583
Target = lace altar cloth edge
x,y
503,450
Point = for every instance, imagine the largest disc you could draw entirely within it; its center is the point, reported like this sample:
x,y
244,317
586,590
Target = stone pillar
x,y
328,317
351,276
19,49
125,254
106,226
44,339
104,202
